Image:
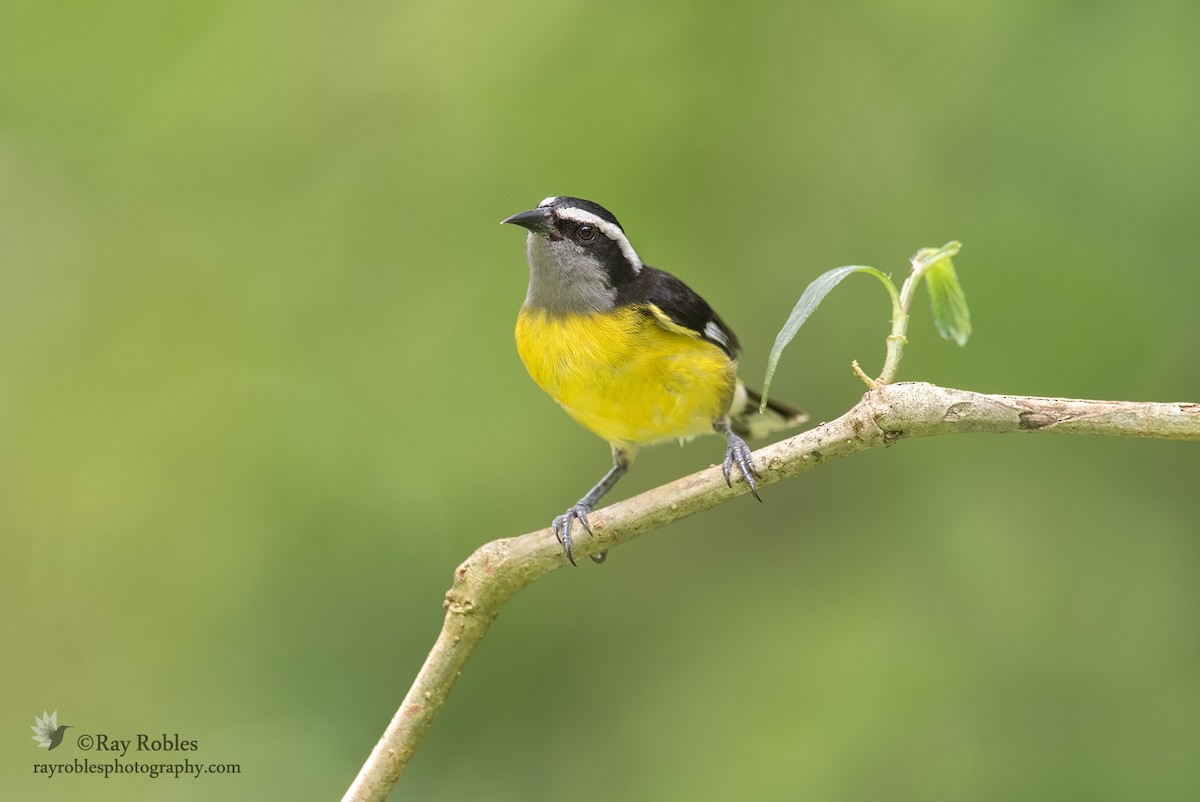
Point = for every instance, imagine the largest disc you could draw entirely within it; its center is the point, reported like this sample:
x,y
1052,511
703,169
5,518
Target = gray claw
x,y
739,452
562,526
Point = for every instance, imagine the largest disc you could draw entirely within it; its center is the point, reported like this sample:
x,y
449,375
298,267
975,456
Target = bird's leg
x,y
622,459
738,452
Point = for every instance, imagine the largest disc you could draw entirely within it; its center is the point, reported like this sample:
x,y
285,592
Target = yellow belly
x,y
626,377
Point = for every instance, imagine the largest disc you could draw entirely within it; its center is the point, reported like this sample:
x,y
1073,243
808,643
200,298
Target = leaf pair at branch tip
x,y
950,313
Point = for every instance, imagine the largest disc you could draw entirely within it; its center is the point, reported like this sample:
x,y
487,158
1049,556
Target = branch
x,y
498,570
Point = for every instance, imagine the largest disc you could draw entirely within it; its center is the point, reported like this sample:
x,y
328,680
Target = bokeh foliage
x,y
259,396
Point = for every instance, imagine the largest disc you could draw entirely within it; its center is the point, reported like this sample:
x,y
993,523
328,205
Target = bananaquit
x,y
630,352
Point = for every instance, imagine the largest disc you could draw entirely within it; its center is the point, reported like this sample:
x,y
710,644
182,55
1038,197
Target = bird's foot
x,y
739,453
562,528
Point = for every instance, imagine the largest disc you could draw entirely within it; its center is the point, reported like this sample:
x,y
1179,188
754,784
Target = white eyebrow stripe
x,y
610,230
547,202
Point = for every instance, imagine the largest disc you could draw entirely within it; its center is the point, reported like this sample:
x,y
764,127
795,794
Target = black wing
x,y
658,290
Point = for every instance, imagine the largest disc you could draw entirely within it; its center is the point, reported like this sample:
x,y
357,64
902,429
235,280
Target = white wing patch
x,y
613,232
714,332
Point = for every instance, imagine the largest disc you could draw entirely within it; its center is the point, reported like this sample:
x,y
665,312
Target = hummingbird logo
x,y
47,731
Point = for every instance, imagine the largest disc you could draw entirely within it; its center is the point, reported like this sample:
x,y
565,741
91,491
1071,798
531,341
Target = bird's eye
x,y
586,233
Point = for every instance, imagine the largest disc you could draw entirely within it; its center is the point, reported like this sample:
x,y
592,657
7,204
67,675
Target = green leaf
x,y
950,312
809,301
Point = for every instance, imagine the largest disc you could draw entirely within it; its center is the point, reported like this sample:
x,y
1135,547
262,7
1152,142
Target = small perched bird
x,y
630,352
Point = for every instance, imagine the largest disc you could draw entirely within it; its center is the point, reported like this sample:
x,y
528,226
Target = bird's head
x,y
578,254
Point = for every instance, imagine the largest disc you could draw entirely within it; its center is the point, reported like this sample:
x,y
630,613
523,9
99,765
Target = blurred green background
x,y
259,395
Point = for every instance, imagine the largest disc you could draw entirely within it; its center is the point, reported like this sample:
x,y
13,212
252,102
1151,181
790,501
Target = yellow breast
x,y
625,376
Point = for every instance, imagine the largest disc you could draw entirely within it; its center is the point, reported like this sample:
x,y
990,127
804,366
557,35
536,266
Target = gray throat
x,y
564,278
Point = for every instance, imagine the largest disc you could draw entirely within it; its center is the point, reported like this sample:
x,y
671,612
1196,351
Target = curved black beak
x,y
536,220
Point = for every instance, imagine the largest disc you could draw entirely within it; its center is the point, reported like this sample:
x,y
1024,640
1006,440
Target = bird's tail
x,y
748,422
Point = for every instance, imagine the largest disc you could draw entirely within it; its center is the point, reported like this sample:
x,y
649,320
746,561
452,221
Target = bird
x,y
629,351
57,736
47,732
